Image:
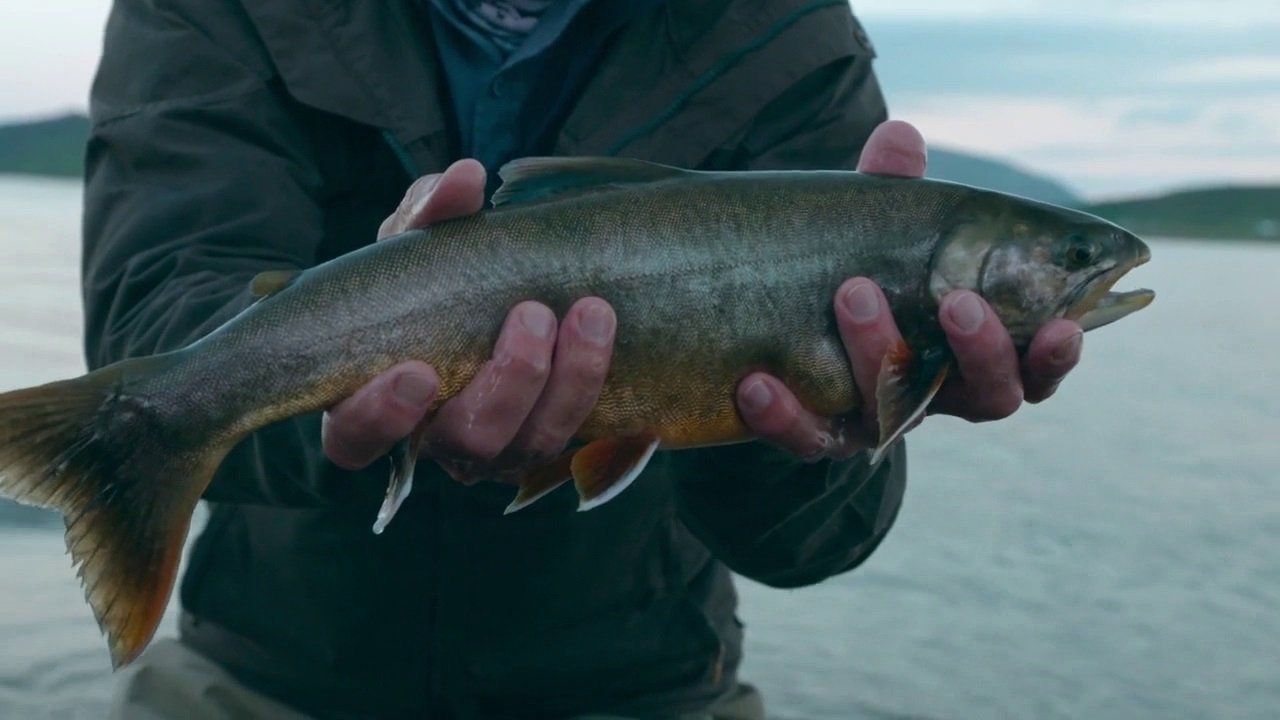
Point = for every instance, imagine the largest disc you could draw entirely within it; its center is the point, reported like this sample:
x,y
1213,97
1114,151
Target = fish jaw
x,y
1099,306
1114,306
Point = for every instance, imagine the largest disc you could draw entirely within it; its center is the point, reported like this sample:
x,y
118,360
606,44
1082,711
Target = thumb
x,y
456,192
895,149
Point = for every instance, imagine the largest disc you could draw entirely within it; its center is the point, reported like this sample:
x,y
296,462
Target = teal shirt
x,y
510,104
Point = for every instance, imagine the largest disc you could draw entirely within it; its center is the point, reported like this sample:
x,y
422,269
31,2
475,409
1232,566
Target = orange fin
x,y
125,483
605,468
906,385
539,483
268,283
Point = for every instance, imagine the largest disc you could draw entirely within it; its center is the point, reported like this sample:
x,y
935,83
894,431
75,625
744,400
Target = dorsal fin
x,y
534,178
271,282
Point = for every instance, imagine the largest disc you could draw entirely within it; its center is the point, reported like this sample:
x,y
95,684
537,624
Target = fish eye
x,y
1079,252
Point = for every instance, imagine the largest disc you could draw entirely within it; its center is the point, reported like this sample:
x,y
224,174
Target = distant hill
x,y
45,147
997,175
14,515
56,147
1251,213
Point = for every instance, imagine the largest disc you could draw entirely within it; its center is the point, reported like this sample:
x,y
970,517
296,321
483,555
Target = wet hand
x,y
524,404
991,381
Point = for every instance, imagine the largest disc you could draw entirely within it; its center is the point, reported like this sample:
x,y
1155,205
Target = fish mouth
x,y
1097,305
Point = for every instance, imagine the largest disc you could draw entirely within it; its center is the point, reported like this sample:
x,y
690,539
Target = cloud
x,y
1113,96
1241,68
1112,145
48,52
1202,14
1096,95
1071,57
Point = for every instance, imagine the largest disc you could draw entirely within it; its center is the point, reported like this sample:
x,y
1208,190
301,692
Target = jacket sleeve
x,y
197,178
764,513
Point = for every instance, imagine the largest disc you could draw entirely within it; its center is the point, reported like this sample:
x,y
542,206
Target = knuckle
x,y
1003,399
543,443
585,370
337,447
398,221
334,449
337,455
386,229
535,365
463,472
1041,396
525,362
358,418
475,448
378,418
1044,392
815,446
781,423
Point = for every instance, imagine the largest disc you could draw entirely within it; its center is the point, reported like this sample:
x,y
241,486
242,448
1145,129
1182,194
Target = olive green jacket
x,y
229,137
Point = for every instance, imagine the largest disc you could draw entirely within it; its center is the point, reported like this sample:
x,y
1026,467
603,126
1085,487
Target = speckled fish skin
x,y
712,276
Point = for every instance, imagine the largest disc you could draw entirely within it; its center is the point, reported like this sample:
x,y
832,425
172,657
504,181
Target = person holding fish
x,y
260,139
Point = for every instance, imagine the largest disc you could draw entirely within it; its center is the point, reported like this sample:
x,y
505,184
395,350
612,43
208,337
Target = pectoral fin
x,y
908,381
403,458
605,468
271,282
537,484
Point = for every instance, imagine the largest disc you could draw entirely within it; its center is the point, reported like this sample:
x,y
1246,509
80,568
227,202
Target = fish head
x,y
1034,262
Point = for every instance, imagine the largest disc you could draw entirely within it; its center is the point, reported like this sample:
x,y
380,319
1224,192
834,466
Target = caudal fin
x,y
125,484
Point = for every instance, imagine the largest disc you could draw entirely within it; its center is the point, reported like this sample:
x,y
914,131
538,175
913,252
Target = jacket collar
x,y
725,58
375,63
371,62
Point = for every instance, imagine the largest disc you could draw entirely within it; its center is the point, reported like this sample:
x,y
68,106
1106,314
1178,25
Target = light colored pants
x,y
173,682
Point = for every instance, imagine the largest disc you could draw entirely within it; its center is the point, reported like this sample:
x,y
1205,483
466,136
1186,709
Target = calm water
x,y
1113,554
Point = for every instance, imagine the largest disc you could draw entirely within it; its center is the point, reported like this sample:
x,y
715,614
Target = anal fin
x,y
605,468
539,483
907,384
404,456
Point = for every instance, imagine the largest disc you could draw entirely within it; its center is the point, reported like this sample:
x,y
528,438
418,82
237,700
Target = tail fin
x,y
124,483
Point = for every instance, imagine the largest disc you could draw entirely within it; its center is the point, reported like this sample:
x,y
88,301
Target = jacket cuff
x,y
784,522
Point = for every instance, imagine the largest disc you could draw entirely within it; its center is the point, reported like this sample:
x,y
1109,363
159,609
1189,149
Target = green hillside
x,y
1251,213
56,147
15,515
45,147
997,175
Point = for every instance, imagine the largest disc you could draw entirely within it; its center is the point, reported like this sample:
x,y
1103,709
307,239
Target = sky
x,y
1114,98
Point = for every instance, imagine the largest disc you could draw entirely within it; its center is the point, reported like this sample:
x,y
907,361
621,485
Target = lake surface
x,y
1114,553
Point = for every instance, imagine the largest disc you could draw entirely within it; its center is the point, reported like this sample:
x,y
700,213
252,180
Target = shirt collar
x,y
553,23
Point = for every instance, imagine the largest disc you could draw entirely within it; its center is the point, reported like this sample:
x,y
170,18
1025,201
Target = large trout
x,y
712,276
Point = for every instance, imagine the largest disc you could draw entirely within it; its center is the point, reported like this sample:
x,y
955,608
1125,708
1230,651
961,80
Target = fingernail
x,y
596,323
757,396
967,312
538,320
1068,351
413,389
862,302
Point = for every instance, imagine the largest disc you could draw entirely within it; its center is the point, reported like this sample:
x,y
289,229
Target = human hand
x,y
522,407
991,382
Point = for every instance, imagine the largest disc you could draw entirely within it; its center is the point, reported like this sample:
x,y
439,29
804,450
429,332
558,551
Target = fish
x,y
712,276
